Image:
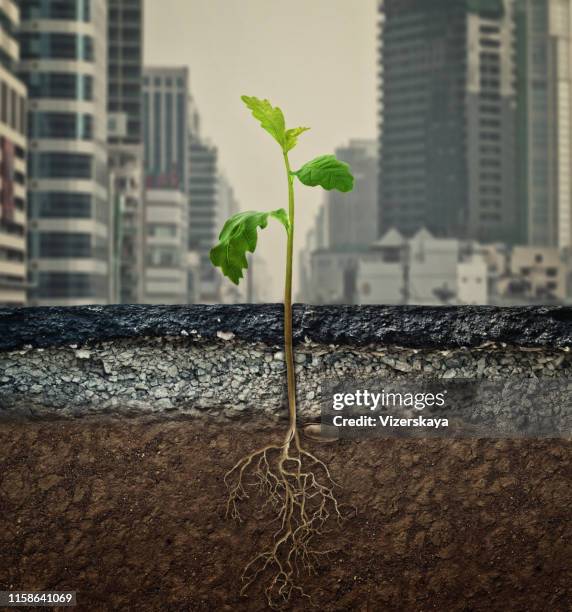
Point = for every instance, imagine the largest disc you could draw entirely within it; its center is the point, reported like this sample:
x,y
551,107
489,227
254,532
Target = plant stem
x,y
289,351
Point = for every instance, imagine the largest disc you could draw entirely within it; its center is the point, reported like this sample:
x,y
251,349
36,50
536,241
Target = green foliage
x,y
291,138
272,120
327,172
239,235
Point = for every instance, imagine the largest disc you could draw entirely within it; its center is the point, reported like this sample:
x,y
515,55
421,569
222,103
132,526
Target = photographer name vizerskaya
x,y
389,421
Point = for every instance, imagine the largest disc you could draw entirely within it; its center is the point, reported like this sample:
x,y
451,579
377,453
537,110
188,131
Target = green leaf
x,y
239,235
328,172
292,137
271,117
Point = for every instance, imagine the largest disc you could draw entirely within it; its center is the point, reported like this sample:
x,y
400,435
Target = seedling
x,y
295,484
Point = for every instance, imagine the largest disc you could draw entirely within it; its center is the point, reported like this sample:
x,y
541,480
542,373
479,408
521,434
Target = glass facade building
x,y
64,64
125,138
448,116
165,134
544,55
203,210
13,144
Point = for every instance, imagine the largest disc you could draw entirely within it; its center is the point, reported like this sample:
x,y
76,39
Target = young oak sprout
x,y
297,485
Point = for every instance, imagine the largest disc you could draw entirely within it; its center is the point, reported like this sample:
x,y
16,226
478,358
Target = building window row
x,y
12,108
64,245
61,165
60,85
62,205
71,285
65,10
162,230
11,255
52,45
70,126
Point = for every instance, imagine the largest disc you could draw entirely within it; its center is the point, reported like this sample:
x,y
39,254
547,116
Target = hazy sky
x,y
316,59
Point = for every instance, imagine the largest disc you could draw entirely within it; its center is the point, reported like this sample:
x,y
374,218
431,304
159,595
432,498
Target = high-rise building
x,y
125,137
166,132
63,52
166,127
353,216
203,206
448,116
12,163
125,67
544,53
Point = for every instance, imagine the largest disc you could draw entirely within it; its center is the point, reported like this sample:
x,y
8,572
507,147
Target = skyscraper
x,y
125,67
353,216
447,143
12,163
165,129
544,53
125,137
203,205
64,64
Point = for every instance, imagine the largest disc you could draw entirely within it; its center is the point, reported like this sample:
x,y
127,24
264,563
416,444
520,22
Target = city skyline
x,y
267,49
473,140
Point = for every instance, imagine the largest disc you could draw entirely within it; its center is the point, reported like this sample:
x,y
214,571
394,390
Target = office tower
x,y
353,216
125,67
125,138
544,52
63,53
12,163
447,116
203,203
166,127
165,132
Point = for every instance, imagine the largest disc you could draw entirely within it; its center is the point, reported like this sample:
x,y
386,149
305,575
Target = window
x,y
164,256
71,284
4,102
62,244
61,125
169,129
55,45
62,85
61,165
73,10
55,204
162,230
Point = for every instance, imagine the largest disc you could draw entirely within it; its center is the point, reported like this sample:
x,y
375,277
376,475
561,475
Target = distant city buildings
x,y
109,191
13,222
166,96
544,56
166,259
165,128
447,113
353,216
421,269
125,139
63,53
203,206
424,269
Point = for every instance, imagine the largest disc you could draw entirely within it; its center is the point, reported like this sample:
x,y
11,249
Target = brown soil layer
x,y
131,515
